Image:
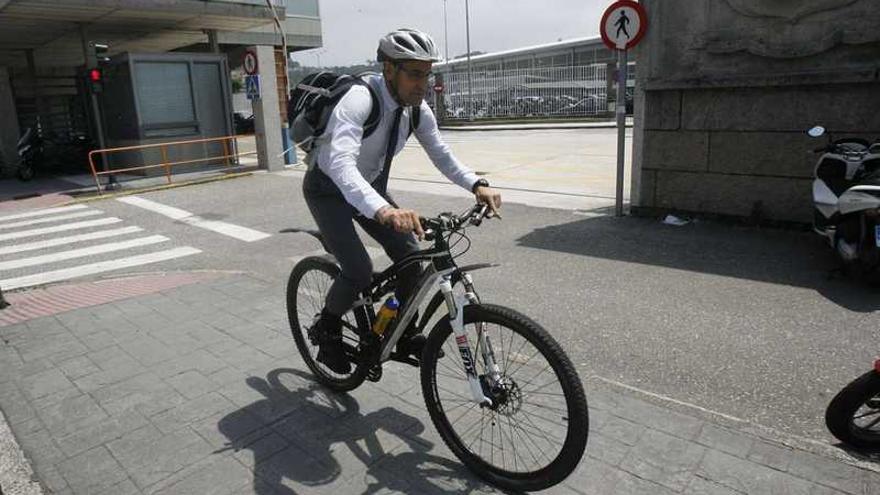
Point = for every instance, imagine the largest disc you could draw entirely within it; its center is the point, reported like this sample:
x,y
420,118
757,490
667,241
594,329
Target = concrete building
x,y
44,47
565,79
729,88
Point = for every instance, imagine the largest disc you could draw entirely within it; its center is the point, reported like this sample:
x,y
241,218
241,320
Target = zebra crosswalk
x,y
62,243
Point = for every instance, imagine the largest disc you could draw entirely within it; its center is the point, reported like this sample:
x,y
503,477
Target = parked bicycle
x,y
511,408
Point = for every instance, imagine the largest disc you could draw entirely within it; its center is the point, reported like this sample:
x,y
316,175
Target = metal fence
x,y
546,92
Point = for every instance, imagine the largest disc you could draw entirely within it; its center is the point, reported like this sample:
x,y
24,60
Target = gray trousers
x,y
335,218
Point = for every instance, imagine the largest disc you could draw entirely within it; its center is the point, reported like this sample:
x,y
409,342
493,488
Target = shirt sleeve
x,y
346,130
438,151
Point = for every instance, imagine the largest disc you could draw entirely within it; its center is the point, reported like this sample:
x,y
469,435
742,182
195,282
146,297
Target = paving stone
x,y
92,471
664,459
45,383
15,406
199,360
191,411
191,384
97,340
776,457
37,443
107,430
839,476
226,428
70,414
125,487
78,367
52,479
606,449
748,477
217,476
725,440
145,393
700,486
622,430
149,457
254,449
148,351
296,471
651,416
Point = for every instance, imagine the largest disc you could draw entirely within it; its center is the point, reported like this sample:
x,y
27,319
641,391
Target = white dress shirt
x,y
353,163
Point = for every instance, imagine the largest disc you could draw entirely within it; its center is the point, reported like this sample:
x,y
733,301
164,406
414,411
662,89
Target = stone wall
x,y
727,89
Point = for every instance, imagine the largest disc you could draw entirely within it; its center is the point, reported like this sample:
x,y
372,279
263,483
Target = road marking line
x,y
60,228
231,230
94,268
83,252
69,216
59,241
45,211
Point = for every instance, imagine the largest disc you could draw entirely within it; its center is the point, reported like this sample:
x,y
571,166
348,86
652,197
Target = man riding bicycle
x,y
348,181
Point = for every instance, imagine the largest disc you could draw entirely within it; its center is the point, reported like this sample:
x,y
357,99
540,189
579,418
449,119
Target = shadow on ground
x,y
328,440
785,257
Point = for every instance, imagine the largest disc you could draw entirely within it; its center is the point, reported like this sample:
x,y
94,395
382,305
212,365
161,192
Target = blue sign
x,y
252,87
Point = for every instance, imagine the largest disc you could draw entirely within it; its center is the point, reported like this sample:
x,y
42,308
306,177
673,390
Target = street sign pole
x,y
622,27
621,128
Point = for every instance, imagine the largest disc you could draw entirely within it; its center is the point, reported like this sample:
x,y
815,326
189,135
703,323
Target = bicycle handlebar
x,y
447,221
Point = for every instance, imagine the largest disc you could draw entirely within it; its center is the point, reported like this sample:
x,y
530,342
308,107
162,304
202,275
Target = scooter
x,y
846,201
30,154
853,416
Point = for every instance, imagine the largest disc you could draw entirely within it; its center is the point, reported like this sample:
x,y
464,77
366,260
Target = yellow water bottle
x,y
386,313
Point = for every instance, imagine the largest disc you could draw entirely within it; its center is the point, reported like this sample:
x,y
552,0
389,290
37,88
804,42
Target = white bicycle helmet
x,y
407,44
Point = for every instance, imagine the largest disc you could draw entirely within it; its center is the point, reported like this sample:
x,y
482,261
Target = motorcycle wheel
x,y
853,416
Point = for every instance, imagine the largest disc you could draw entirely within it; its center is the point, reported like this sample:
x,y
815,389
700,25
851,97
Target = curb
x,y
16,475
130,192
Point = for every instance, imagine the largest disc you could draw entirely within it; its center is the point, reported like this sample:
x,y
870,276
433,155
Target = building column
x,y
267,114
9,131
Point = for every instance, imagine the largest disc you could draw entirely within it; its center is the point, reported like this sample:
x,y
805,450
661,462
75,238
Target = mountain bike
x,y
500,390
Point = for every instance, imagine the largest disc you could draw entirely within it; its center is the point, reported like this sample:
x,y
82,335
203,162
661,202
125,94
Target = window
x,y
305,8
164,93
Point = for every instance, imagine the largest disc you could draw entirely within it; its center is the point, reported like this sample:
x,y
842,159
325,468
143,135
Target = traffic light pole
x,y
91,62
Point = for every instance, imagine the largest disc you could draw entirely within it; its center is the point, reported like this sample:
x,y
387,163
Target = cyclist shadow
x,y
312,423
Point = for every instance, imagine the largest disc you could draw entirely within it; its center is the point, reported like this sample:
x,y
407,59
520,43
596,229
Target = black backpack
x,y
313,99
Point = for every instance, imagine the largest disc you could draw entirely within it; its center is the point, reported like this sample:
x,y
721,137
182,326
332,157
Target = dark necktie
x,y
382,181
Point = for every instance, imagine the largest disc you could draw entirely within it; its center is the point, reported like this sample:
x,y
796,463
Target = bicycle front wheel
x,y
535,433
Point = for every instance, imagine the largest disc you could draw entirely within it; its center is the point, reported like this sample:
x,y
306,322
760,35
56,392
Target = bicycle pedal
x,y
375,374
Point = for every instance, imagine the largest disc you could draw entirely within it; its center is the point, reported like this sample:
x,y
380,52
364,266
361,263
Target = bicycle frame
x,y
438,278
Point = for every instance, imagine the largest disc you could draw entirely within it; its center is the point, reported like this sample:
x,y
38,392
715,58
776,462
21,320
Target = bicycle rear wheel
x,y
307,290
535,433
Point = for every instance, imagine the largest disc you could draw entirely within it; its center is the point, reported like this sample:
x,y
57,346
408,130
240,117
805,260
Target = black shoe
x,y
331,351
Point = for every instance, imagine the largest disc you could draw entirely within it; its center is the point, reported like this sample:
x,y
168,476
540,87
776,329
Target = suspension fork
x,y
455,304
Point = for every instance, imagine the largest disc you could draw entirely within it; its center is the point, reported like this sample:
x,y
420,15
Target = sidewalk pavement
x,y
199,390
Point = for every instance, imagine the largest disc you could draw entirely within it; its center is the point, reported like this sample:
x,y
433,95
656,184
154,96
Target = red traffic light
x,y
95,75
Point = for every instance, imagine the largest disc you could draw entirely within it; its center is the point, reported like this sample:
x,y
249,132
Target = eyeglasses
x,y
415,74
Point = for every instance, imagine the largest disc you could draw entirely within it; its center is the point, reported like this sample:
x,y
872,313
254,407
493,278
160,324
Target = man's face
x,y
411,80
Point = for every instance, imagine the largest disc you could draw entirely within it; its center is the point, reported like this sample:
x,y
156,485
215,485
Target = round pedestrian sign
x,y
623,25
438,88
250,62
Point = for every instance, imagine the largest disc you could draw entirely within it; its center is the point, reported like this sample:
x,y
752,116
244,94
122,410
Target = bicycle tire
x,y
313,264
577,415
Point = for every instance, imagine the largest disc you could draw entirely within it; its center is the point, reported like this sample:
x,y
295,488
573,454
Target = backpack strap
x,y
373,119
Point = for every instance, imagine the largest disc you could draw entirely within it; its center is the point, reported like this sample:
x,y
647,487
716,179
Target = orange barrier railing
x,y
163,148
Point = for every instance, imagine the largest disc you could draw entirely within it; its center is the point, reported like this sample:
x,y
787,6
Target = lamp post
x,y
467,22
445,31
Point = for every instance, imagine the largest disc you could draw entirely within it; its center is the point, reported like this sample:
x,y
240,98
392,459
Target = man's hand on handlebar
x,y
491,198
401,220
